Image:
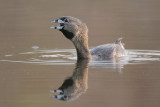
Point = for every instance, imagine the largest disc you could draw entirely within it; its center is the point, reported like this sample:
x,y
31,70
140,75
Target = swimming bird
x,y
76,31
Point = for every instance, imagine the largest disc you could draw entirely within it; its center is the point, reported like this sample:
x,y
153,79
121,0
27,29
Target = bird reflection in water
x,y
74,86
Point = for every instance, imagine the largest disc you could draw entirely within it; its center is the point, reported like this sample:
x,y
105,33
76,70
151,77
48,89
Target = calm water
x,y
35,60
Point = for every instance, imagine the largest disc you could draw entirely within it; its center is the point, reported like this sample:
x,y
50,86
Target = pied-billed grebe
x,y
77,31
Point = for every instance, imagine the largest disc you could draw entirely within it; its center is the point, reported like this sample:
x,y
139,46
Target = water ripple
x,y
68,57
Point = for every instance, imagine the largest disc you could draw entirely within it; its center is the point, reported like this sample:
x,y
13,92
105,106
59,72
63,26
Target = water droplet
x,y
35,47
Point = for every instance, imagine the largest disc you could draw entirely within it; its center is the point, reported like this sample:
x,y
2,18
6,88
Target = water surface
x,y
35,59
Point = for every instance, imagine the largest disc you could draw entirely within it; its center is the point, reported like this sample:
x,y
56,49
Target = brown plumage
x,y
77,31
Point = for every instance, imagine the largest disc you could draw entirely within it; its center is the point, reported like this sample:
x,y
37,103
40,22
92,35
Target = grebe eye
x,y
65,20
65,96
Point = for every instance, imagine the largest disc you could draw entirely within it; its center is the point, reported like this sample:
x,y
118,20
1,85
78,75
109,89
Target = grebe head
x,y
76,31
71,27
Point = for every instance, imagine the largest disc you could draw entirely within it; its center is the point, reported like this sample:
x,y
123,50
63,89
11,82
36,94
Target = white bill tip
x,y
52,27
57,96
53,21
60,21
57,27
56,91
57,21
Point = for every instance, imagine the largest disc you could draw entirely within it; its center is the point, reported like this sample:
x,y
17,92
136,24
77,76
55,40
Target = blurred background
x,y
25,24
